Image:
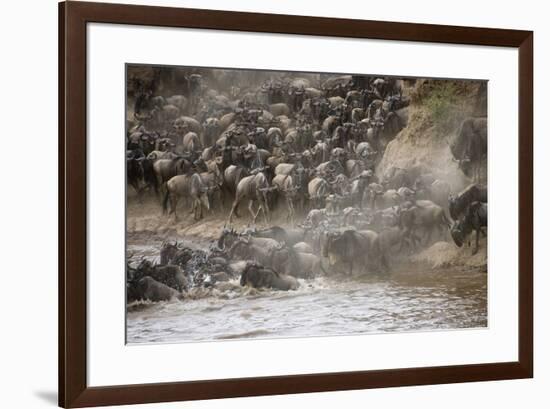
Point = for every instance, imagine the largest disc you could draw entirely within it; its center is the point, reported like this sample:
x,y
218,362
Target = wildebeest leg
x,y
384,263
429,235
135,185
402,243
173,205
160,186
251,210
265,207
290,216
260,207
192,208
198,209
233,209
476,248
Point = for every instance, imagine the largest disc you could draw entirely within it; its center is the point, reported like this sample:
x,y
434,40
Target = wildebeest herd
x,y
305,148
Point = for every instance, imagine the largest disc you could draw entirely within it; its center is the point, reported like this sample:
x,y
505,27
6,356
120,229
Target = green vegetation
x,y
441,101
446,102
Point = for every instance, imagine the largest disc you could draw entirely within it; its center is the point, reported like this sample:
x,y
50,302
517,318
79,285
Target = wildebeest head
x,y
227,238
458,234
212,124
181,126
257,276
465,165
453,207
325,238
144,268
335,245
239,249
167,252
250,275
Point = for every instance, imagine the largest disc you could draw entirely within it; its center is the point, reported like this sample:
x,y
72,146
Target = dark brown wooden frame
x,y
73,389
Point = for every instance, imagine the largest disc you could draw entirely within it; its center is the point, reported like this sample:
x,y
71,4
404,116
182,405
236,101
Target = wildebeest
x,y
156,155
281,258
165,169
459,203
293,188
288,236
188,186
134,170
351,247
185,124
304,264
279,109
469,146
424,215
438,192
229,236
318,189
475,218
258,276
170,274
329,168
303,247
380,199
243,249
191,143
140,174
389,238
396,177
174,253
212,130
252,188
148,288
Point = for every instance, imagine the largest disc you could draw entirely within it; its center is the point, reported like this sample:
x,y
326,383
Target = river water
x,y
412,299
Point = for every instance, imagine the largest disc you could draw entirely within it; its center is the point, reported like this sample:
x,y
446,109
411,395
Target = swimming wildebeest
x,y
389,238
189,186
351,247
174,253
474,219
288,236
170,275
281,259
258,276
148,288
229,236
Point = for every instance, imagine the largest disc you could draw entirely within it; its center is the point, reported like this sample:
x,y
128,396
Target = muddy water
x,y
414,298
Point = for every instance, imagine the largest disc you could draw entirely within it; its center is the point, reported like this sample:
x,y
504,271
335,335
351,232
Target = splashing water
x,y
411,299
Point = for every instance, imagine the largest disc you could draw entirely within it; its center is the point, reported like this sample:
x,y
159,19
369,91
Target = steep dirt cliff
x,y
436,111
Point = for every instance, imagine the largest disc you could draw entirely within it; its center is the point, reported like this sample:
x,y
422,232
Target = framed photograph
x,y
255,204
